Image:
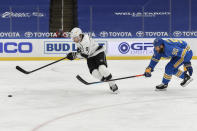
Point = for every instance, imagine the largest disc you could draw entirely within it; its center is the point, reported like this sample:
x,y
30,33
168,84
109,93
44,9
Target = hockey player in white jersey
x,y
95,55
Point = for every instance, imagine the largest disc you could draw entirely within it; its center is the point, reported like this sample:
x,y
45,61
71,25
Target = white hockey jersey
x,y
89,47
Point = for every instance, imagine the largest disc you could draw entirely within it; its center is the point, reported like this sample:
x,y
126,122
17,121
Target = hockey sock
x,y
166,78
180,74
106,74
96,74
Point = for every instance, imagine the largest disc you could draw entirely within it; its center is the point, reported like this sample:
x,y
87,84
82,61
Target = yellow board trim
x,y
28,58
129,57
56,58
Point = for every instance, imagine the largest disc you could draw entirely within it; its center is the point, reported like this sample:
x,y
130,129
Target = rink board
x,y
53,49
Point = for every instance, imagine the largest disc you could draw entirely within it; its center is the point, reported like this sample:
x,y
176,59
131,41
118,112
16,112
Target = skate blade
x,y
190,80
161,89
115,92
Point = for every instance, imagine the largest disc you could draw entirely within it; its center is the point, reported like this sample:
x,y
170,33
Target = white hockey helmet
x,y
75,32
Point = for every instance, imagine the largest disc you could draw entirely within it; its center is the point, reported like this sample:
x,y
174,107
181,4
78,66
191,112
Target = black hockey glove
x,y
147,72
188,67
82,54
72,55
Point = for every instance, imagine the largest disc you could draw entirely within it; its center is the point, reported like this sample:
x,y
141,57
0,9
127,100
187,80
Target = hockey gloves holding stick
x,y
188,67
147,72
72,55
82,54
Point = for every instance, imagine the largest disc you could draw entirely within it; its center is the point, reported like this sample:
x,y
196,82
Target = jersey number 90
x,y
175,51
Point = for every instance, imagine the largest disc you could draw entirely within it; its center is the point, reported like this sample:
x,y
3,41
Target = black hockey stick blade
x,y
28,72
22,70
97,82
82,80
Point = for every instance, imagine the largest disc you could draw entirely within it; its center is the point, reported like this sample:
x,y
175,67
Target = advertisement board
x,y
139,48
138,18
38,49
20,16
51,49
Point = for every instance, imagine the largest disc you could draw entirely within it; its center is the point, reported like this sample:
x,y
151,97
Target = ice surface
x,y
52,99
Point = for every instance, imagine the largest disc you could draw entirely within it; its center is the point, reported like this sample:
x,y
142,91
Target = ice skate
x,y
186,80
161,87
114,88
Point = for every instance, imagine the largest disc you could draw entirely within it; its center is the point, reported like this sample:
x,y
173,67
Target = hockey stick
x,y
90,83
28,72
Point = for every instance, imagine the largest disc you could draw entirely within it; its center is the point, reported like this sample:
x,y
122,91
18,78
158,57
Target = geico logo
x,y
60,47
13,47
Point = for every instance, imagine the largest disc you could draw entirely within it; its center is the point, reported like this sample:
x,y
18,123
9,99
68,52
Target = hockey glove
x,y
72,55
188,67
82,54
147,72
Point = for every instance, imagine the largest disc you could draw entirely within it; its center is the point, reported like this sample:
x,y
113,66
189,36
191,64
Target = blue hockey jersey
x,y
172,48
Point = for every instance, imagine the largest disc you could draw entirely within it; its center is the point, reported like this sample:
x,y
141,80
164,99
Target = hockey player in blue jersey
x,y
180,53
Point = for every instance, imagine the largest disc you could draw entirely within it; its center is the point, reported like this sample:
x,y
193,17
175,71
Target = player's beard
x,y
161,50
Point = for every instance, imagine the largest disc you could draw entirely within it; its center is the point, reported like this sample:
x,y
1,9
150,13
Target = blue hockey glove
x,y
148,72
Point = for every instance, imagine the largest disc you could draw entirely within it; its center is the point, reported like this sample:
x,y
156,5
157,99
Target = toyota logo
x,y
140,33
104,34
28,34
177,33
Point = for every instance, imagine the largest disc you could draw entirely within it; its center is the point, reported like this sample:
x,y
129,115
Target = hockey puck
x,y
9,95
